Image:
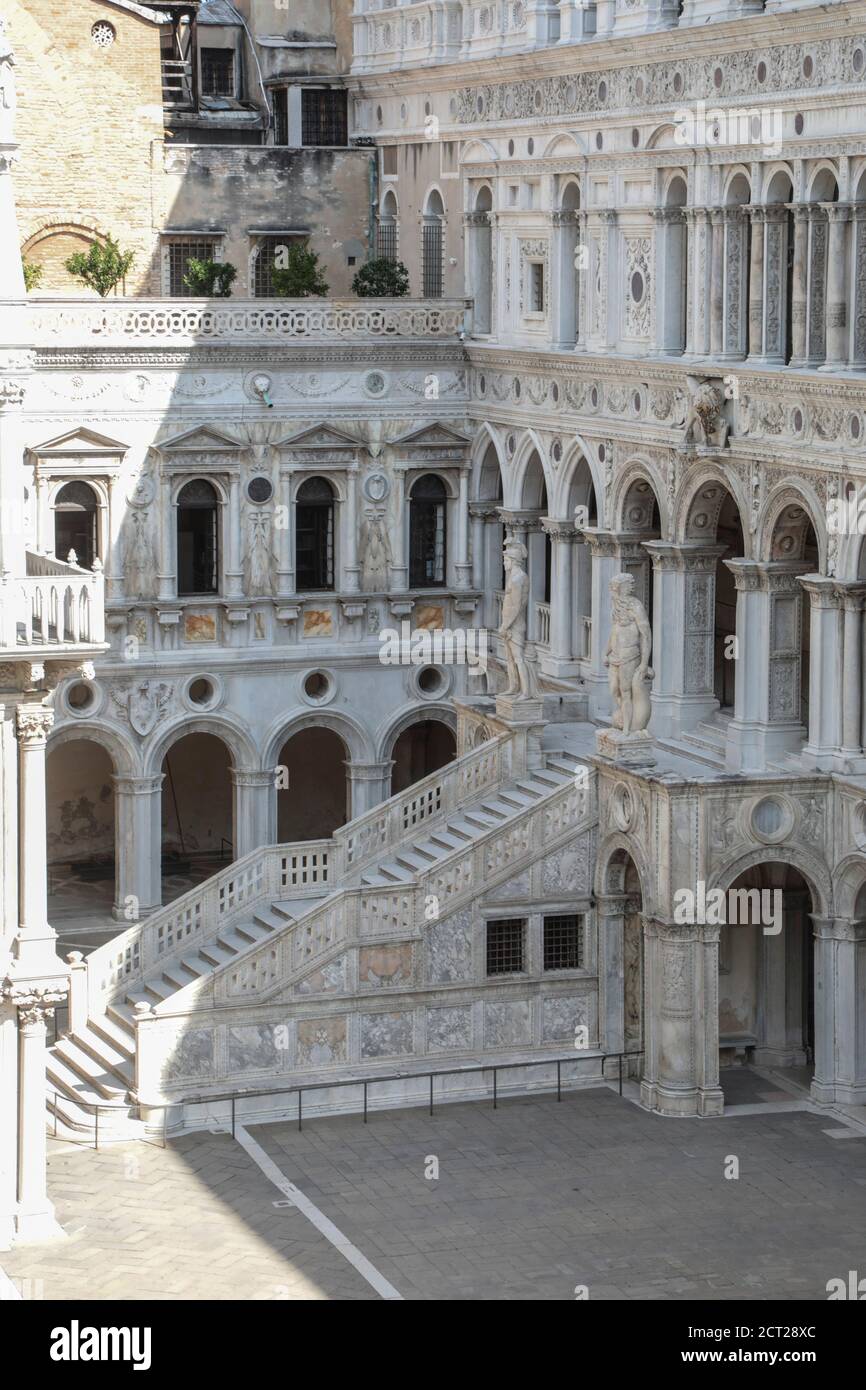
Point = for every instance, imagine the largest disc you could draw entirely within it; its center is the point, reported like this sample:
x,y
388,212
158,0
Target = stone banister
x,y
182,322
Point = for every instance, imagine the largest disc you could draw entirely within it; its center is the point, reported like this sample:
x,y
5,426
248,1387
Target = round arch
x,y
241,747
611,866
388,734
849,880
357,741
811,867
124,756
823,183
690,493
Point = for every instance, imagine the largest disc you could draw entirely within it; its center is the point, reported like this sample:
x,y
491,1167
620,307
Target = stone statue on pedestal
x,y
512,629
627,659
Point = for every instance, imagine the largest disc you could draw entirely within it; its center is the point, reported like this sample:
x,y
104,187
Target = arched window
x,y
197,538
432,247
75,516
427,533
386,241
314,535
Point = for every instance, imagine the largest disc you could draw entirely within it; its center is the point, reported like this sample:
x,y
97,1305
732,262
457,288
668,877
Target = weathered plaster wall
x,y
80,803
239,187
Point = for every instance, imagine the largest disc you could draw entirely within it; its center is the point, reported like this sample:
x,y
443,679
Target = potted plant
x,y
102,268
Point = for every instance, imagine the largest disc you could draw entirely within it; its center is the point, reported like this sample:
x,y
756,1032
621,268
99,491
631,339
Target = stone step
x,y
396,872
61,1077
116,1033
118,1061
69,1063
254,932
215,953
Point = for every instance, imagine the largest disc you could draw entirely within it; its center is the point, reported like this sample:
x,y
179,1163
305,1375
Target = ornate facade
x,y
635,345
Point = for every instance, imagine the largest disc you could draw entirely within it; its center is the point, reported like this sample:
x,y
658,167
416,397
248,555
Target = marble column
x,y
398,569
560,660
610,917
35,1219
780,1042
234,575
858,295
113,558
369,785
681,1066
462,563
853,598
822,749
564,243
800,282
736,276
717,281
683,630
167,529
138,846
756,281
774,218
840,1011
284,524
254,791
8,1119
486,557
34,723
605,563
351,568
836,307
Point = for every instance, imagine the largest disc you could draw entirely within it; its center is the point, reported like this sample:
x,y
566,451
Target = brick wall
x,y
91,133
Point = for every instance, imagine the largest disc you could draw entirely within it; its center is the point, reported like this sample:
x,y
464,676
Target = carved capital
x,y
33,723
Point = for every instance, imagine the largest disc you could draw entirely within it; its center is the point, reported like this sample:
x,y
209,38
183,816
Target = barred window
x,y
563,942
427,532
181,251
323,116
265,260
217,72
431,258
536,287
505,938
281,116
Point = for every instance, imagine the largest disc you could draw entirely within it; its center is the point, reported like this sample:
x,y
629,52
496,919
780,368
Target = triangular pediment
x,y
432,436
201,437
81,441
319,437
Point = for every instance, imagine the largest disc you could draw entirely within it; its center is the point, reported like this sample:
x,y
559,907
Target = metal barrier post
x,y
558,1080
96,1130
300,1109
55,1114
233,1117
431,1093
365,1102
494,1088
620,1073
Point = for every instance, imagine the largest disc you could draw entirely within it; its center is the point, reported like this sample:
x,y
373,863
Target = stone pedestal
x,y
840,1026
525,718
632,750
681,1069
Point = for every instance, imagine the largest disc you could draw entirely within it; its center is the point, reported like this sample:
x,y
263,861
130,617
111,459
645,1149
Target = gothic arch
x,y
730,195
791,493
637,469
485,439
800,857
386,737
236,739
576,453
530,444
358,742
689,495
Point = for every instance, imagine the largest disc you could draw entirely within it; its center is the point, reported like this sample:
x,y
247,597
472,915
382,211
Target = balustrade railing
x,y
53,605
54,322
275,872
542,624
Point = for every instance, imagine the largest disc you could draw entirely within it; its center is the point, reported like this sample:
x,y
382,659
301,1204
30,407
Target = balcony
x,y
54,323
54,609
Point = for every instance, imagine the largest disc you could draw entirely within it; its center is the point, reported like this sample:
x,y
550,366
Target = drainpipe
x,y
374,203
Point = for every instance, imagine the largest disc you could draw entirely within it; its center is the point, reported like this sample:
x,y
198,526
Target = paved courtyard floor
x,y
532,1201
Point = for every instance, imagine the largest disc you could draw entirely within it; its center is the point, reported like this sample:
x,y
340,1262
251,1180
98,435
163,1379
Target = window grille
x,y
563,942
180,252
217,72
323,116
386,241
505,938
431,252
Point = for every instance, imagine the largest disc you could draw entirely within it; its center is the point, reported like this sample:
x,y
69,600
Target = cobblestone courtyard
x,y
532,1200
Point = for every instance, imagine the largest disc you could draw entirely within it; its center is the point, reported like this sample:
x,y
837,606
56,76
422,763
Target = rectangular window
x,y
270,252
389,160
181,250
386,240
536,287
563,942
217,72
281,116
314,538
323,116
505,938
432,259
